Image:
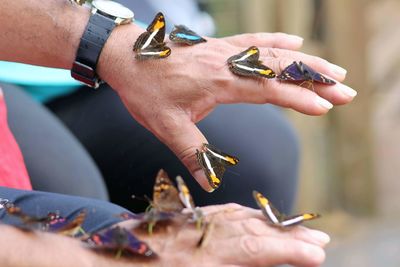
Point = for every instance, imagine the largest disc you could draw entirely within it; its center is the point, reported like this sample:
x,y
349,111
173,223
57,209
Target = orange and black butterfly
x,y
150,44
118,239
187,200
165,205
278,219
213,161
247,63
183,35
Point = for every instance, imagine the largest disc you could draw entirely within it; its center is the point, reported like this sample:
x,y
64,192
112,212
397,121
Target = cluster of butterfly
x,y
167,206
247,63
150,44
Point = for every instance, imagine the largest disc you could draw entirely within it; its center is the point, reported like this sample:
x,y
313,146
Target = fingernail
x,y
320,237
299,39
337,69
324,103
347,90
1,92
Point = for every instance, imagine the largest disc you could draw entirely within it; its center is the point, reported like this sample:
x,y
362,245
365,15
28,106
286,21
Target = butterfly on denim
x,y
118,239
165,205
183,35
187,200
30,222
71,227
150,44
214,162
300,72
247,63
278,219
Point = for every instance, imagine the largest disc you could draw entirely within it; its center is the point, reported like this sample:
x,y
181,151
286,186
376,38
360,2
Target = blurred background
x,y
350,158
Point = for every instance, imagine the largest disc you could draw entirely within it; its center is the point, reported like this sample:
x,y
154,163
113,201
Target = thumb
x,y
183,137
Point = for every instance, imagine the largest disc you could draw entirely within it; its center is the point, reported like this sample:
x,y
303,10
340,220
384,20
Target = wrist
x,y
117,54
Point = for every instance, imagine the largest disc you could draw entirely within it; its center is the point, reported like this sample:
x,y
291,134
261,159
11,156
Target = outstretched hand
x,y
239,236
169,96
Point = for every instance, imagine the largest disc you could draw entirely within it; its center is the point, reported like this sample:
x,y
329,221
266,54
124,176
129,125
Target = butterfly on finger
x,y
278,219
214,162
300,72
183,35
247,63
150,44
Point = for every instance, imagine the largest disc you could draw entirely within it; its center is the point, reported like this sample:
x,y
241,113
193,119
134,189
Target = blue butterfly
x,y
182,34
300,72
119,239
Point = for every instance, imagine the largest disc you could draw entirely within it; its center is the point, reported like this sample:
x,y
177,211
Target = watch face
x,y
112,8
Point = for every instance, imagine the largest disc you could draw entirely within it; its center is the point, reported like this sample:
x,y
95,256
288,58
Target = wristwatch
x,y
106,15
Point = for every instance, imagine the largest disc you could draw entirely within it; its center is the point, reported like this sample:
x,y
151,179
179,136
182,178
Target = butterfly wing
x,y
136,246
157,28
213,169
298,219
315,76
251,54
293,72
184,193
182,34
269,211
156,51
68,227
165,194
226,159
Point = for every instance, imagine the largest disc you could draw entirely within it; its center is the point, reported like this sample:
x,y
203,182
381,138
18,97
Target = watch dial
x,y
113,9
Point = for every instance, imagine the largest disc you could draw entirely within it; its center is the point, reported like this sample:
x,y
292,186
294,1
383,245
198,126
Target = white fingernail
x,y
347,90
1,92
321,237
300,39
337,69
324,103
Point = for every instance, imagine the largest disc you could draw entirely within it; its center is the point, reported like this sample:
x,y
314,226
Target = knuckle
x,y
250,246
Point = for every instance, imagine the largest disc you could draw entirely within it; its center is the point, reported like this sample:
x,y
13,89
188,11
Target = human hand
x,y
239,236
168,96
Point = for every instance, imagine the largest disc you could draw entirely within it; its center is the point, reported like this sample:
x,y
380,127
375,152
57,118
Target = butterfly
x,y
278,219
119,239
63,226
183,35
247,63
150,44
165,204
300,72
30,222
213,161
187,200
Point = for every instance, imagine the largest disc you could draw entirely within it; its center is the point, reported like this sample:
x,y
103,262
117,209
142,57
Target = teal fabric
x,y
42,83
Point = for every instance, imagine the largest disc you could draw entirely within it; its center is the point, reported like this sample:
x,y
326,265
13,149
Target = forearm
x,y
45,33
22,249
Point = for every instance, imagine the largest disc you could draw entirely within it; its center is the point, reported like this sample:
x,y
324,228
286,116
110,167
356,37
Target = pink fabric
x,y
13,172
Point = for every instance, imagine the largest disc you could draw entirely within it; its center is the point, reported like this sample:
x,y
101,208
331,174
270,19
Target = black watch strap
x,y
93,39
